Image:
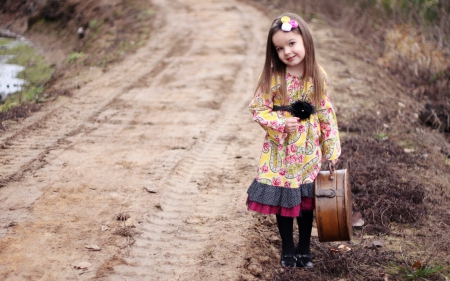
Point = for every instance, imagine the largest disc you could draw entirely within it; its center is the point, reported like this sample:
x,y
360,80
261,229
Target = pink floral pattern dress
x,y
289,163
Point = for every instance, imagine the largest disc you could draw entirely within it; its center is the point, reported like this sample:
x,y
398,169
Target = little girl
x,y
293,147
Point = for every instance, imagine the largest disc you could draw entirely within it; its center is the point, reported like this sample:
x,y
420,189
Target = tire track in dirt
x,y
170,117
175,240
24,150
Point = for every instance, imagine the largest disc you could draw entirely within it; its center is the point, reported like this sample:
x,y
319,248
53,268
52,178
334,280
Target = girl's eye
x,y
279,49
292,43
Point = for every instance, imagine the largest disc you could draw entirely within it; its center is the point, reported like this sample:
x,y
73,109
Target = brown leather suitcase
x,y
333,200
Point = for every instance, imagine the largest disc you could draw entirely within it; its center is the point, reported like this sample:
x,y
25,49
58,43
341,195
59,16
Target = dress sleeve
x,y
261,108
329,135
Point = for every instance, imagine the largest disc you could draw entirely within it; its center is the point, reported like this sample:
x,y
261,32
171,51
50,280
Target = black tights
x,y
286,227
305,221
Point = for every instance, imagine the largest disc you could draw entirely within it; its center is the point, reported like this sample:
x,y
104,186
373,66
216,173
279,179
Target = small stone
x,y
314,232
264,259
247,277
82,265
408,231
255,269
105,228
150,189
242,211
274,238
130,222
93,247
274,252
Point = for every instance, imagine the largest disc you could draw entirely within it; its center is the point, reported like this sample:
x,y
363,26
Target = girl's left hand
x,y
291,124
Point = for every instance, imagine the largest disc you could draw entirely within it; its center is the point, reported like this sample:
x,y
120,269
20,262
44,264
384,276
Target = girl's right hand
x,y
291,124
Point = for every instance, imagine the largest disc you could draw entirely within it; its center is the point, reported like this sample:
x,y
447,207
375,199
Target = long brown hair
x,y
274,67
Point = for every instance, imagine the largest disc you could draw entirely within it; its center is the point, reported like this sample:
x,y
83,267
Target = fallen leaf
x,y
378,243
333,250
93,247
417,264
82,265
344,248
357,219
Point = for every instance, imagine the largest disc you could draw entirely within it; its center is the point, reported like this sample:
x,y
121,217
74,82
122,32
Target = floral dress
x,y
290,162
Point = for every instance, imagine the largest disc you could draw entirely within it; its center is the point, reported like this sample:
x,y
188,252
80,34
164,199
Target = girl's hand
x,y
291,124
334,162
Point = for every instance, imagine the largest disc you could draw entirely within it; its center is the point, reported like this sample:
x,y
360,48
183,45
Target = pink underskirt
x,y
307,204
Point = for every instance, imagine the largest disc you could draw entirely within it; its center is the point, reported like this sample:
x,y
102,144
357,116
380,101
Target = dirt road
x,y
171,118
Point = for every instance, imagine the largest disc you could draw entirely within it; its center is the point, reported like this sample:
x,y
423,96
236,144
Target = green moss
x,y
95,25
29,93
37,72
387,6
74,56
4,41
146,14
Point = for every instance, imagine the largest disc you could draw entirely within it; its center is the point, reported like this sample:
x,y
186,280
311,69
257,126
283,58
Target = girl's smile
x,y
291,50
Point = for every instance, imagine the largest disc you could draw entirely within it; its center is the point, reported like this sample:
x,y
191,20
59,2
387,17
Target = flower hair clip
x,y
288,24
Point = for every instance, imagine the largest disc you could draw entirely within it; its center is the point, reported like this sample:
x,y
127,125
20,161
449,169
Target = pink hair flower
x,y
293,23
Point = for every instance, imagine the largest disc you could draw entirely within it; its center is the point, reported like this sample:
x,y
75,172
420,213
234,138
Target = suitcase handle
x,y
332,169
330,193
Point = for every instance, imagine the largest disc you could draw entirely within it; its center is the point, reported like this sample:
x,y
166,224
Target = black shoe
x,y
304,261
288,260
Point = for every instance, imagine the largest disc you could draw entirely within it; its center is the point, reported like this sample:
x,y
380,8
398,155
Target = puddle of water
x,y
18,59
9,83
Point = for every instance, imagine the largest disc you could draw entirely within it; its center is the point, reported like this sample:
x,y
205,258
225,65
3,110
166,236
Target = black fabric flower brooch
x,y
300,109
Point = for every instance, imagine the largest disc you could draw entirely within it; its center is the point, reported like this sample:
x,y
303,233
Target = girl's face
x,y
291,50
